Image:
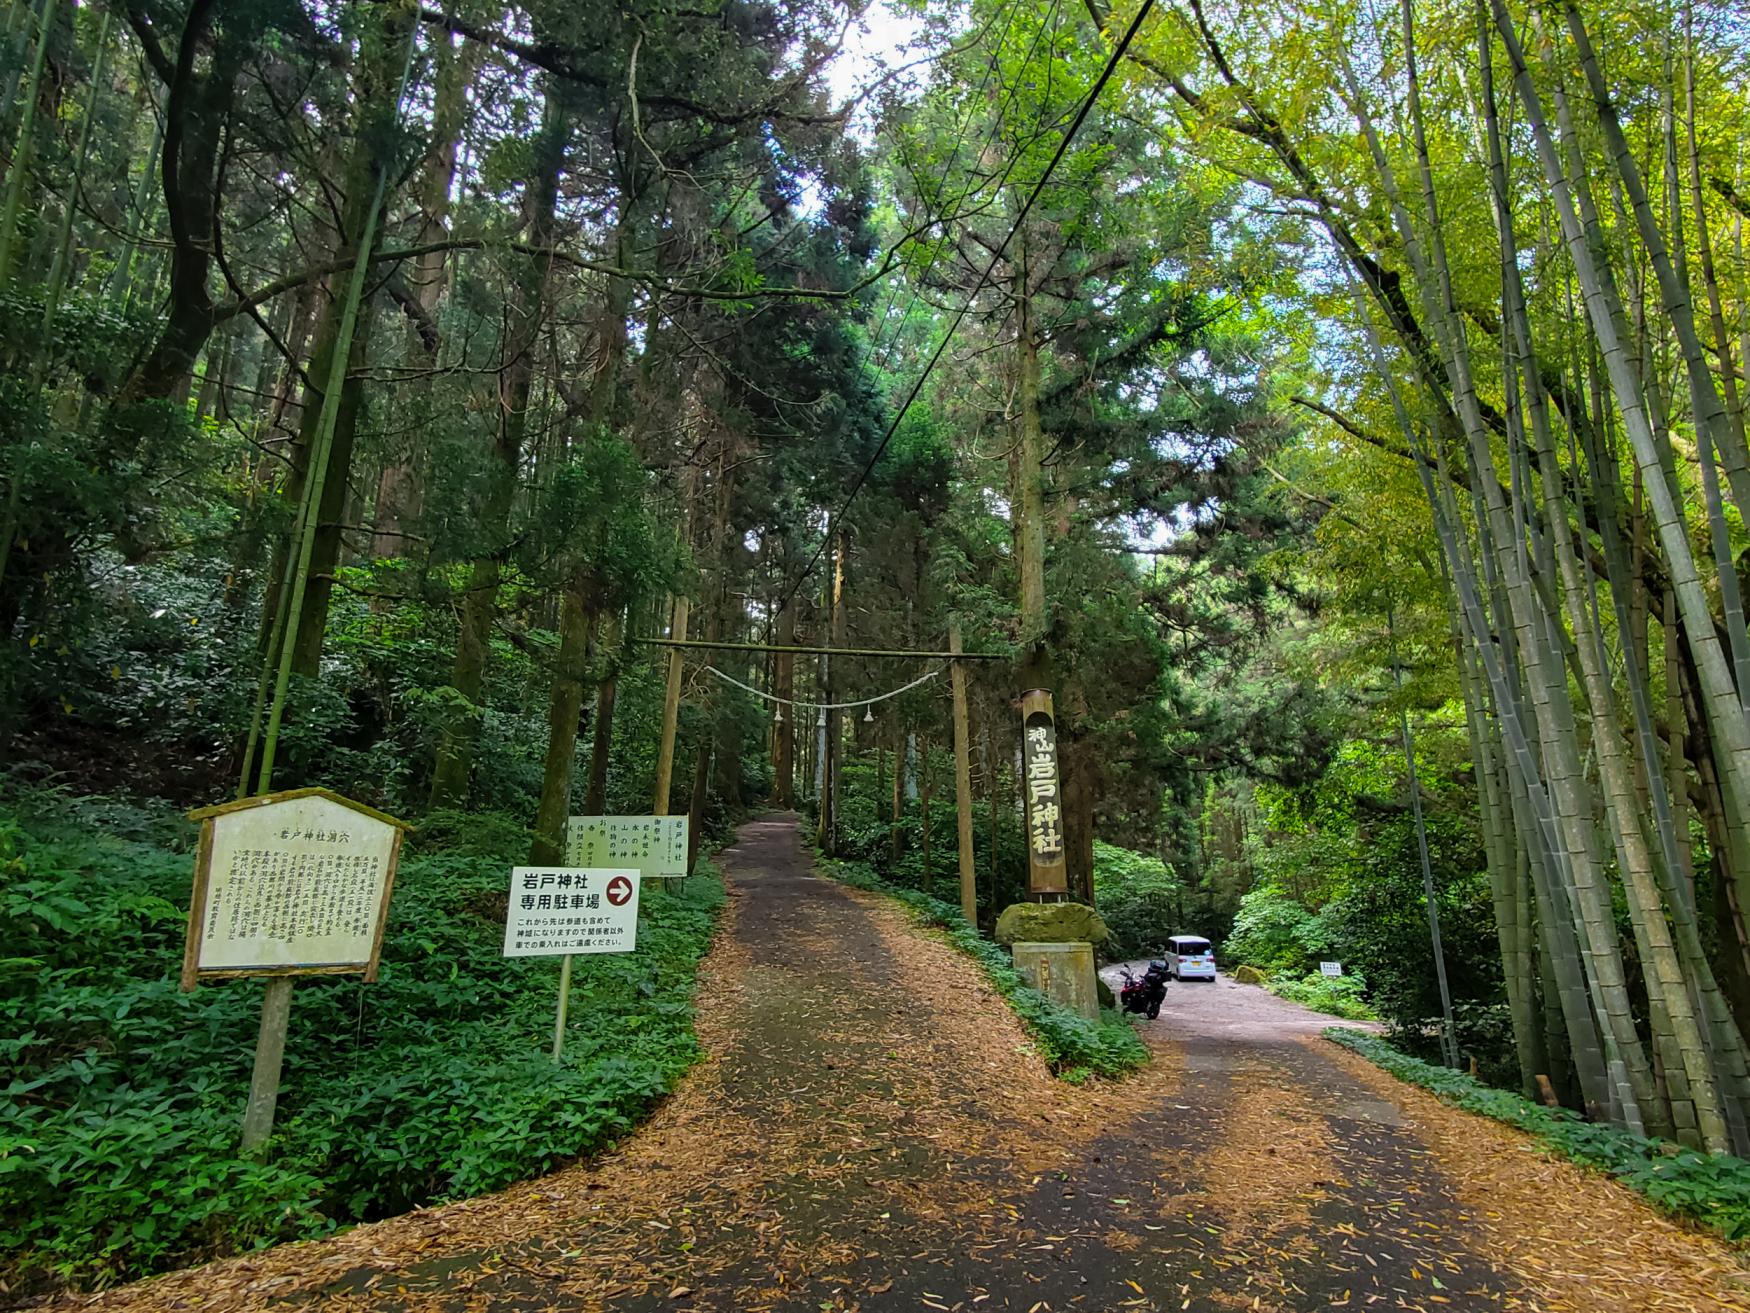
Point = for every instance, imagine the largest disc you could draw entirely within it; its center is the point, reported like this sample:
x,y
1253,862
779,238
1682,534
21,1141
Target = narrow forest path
x,y
873,1132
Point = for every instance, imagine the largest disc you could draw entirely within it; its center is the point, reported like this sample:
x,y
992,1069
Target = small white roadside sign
x,y
1331,968
558,910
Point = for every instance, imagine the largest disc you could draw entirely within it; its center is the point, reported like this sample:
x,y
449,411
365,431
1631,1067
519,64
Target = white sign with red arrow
x,y
571,909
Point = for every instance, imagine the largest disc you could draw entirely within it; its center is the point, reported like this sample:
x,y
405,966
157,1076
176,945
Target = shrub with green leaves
x,y
1071,1045
121,1096
1140,898
1711,1189
1273,932
1335,996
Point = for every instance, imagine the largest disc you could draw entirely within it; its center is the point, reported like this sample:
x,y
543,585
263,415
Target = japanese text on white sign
x,y
294,882
656,845
565,909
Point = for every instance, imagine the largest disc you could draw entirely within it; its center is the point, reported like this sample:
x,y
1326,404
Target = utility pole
x,y
784,722
963,782
832,748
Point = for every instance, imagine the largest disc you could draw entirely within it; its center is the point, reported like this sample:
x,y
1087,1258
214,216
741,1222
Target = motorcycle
x,y
1144,993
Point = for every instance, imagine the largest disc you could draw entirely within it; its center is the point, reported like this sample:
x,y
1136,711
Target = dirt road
x,y
874,1132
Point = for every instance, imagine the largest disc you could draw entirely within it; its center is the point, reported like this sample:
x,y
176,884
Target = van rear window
x,y
1194,948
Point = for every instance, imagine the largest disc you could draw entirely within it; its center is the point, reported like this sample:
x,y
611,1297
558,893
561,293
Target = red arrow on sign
x,y
619,890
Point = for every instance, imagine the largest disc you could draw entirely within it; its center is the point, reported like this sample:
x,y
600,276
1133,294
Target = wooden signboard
x,y
654,845
287,884
1047,865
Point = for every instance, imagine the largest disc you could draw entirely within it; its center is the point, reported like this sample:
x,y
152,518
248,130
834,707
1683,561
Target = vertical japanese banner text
x,y
1047,870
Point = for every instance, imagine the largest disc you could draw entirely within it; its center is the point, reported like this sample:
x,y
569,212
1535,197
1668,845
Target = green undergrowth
x,y
1710,1189
1335,996
1072,1046
121,1096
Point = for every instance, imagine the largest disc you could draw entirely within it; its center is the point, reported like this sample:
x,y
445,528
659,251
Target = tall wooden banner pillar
x,y
1047,867
1052,938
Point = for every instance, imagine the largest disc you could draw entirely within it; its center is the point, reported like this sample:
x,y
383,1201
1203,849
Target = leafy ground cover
x,y
1336,996
1710,1189
1074,1047
121,1096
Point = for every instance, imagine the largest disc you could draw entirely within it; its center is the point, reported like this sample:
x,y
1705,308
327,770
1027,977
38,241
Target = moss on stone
x,y
1050,923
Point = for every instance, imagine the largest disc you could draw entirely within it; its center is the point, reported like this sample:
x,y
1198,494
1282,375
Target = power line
x,y
1087,106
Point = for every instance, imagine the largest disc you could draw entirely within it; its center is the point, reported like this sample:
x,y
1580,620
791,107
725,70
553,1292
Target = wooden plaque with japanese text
x,y
292,883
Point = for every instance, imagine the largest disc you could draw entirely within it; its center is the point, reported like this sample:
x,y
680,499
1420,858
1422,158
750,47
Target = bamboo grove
x,y
448,354
1535,231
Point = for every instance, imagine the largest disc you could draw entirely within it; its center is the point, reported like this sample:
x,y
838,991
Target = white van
x,y
1190,958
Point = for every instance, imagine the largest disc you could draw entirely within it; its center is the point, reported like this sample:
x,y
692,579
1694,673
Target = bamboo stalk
x,y
18,172
1720,700
64,237
319,455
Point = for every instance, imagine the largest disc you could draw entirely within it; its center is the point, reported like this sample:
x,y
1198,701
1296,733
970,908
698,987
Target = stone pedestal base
x,y
1063,973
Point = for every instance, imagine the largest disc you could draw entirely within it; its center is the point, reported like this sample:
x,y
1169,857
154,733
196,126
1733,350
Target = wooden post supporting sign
x,y
270,1058
541,920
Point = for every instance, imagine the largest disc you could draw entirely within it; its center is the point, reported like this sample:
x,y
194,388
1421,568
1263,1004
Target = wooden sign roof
x,y
287,795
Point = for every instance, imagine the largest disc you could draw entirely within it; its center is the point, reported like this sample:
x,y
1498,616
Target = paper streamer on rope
x,y
924,678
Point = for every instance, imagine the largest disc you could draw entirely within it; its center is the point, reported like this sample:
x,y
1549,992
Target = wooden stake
x,y
963,783
671,710
270,1054
564,1007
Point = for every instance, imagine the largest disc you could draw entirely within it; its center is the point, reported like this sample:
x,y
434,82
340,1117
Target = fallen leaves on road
x,y
1578,1241
873,1124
